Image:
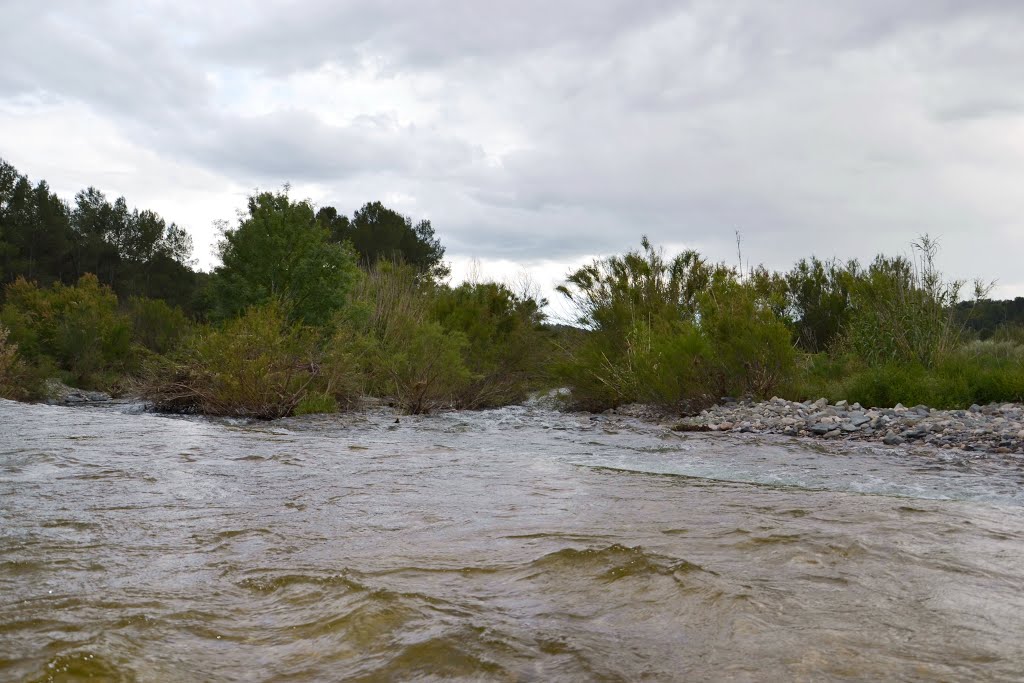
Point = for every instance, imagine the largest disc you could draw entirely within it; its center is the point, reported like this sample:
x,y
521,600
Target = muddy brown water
x,y
513,545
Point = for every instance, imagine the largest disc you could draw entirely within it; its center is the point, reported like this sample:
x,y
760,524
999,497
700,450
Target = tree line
x,y
137,253
306,310
309,310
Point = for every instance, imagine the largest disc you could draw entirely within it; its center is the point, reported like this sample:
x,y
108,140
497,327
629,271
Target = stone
x,y
991,428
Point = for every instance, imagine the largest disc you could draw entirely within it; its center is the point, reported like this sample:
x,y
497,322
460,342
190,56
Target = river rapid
x,y
519,544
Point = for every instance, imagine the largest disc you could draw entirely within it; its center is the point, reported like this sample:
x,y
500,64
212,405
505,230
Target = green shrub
x,y
156,325
904,312
751,351
506,345
663,365
981,372
399,351
818,298
12,370
258,365
78,329
674,332
419,367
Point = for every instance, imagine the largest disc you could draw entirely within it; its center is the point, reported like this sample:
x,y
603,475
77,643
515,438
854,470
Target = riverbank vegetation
x,y
310,310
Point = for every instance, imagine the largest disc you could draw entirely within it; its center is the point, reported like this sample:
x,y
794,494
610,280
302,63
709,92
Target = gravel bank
x,y
996,428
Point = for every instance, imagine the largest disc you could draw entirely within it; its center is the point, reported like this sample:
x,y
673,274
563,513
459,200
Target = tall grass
x,y
905,312
677,331
403,355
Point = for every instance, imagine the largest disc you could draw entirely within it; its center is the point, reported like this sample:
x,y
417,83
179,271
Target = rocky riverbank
x,y
60,394
996,428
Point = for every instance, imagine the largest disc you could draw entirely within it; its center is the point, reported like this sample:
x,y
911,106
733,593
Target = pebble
x,y
995,428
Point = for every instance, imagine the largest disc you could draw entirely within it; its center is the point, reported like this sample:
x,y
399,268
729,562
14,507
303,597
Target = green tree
x,y
35,234
819,300
279,252
380,234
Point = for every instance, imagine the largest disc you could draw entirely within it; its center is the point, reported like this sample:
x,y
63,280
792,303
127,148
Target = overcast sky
x,y
541,134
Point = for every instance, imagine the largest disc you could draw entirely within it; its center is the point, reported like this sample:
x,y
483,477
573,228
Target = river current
x,y
519,544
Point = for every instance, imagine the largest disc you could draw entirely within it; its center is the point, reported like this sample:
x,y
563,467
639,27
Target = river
x,y
519,544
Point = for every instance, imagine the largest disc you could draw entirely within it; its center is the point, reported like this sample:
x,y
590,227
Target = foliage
x,y
1013,333
402,353
78,328
45,240
677,331
378,233
614,293
279,252
904,312
12,370
94,287
751,352
979,372
259,365
157,326
506,344
986,318
664,363
818,298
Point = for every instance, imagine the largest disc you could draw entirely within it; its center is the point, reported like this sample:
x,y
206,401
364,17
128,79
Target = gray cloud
x,y
422,34
550,130
296,146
